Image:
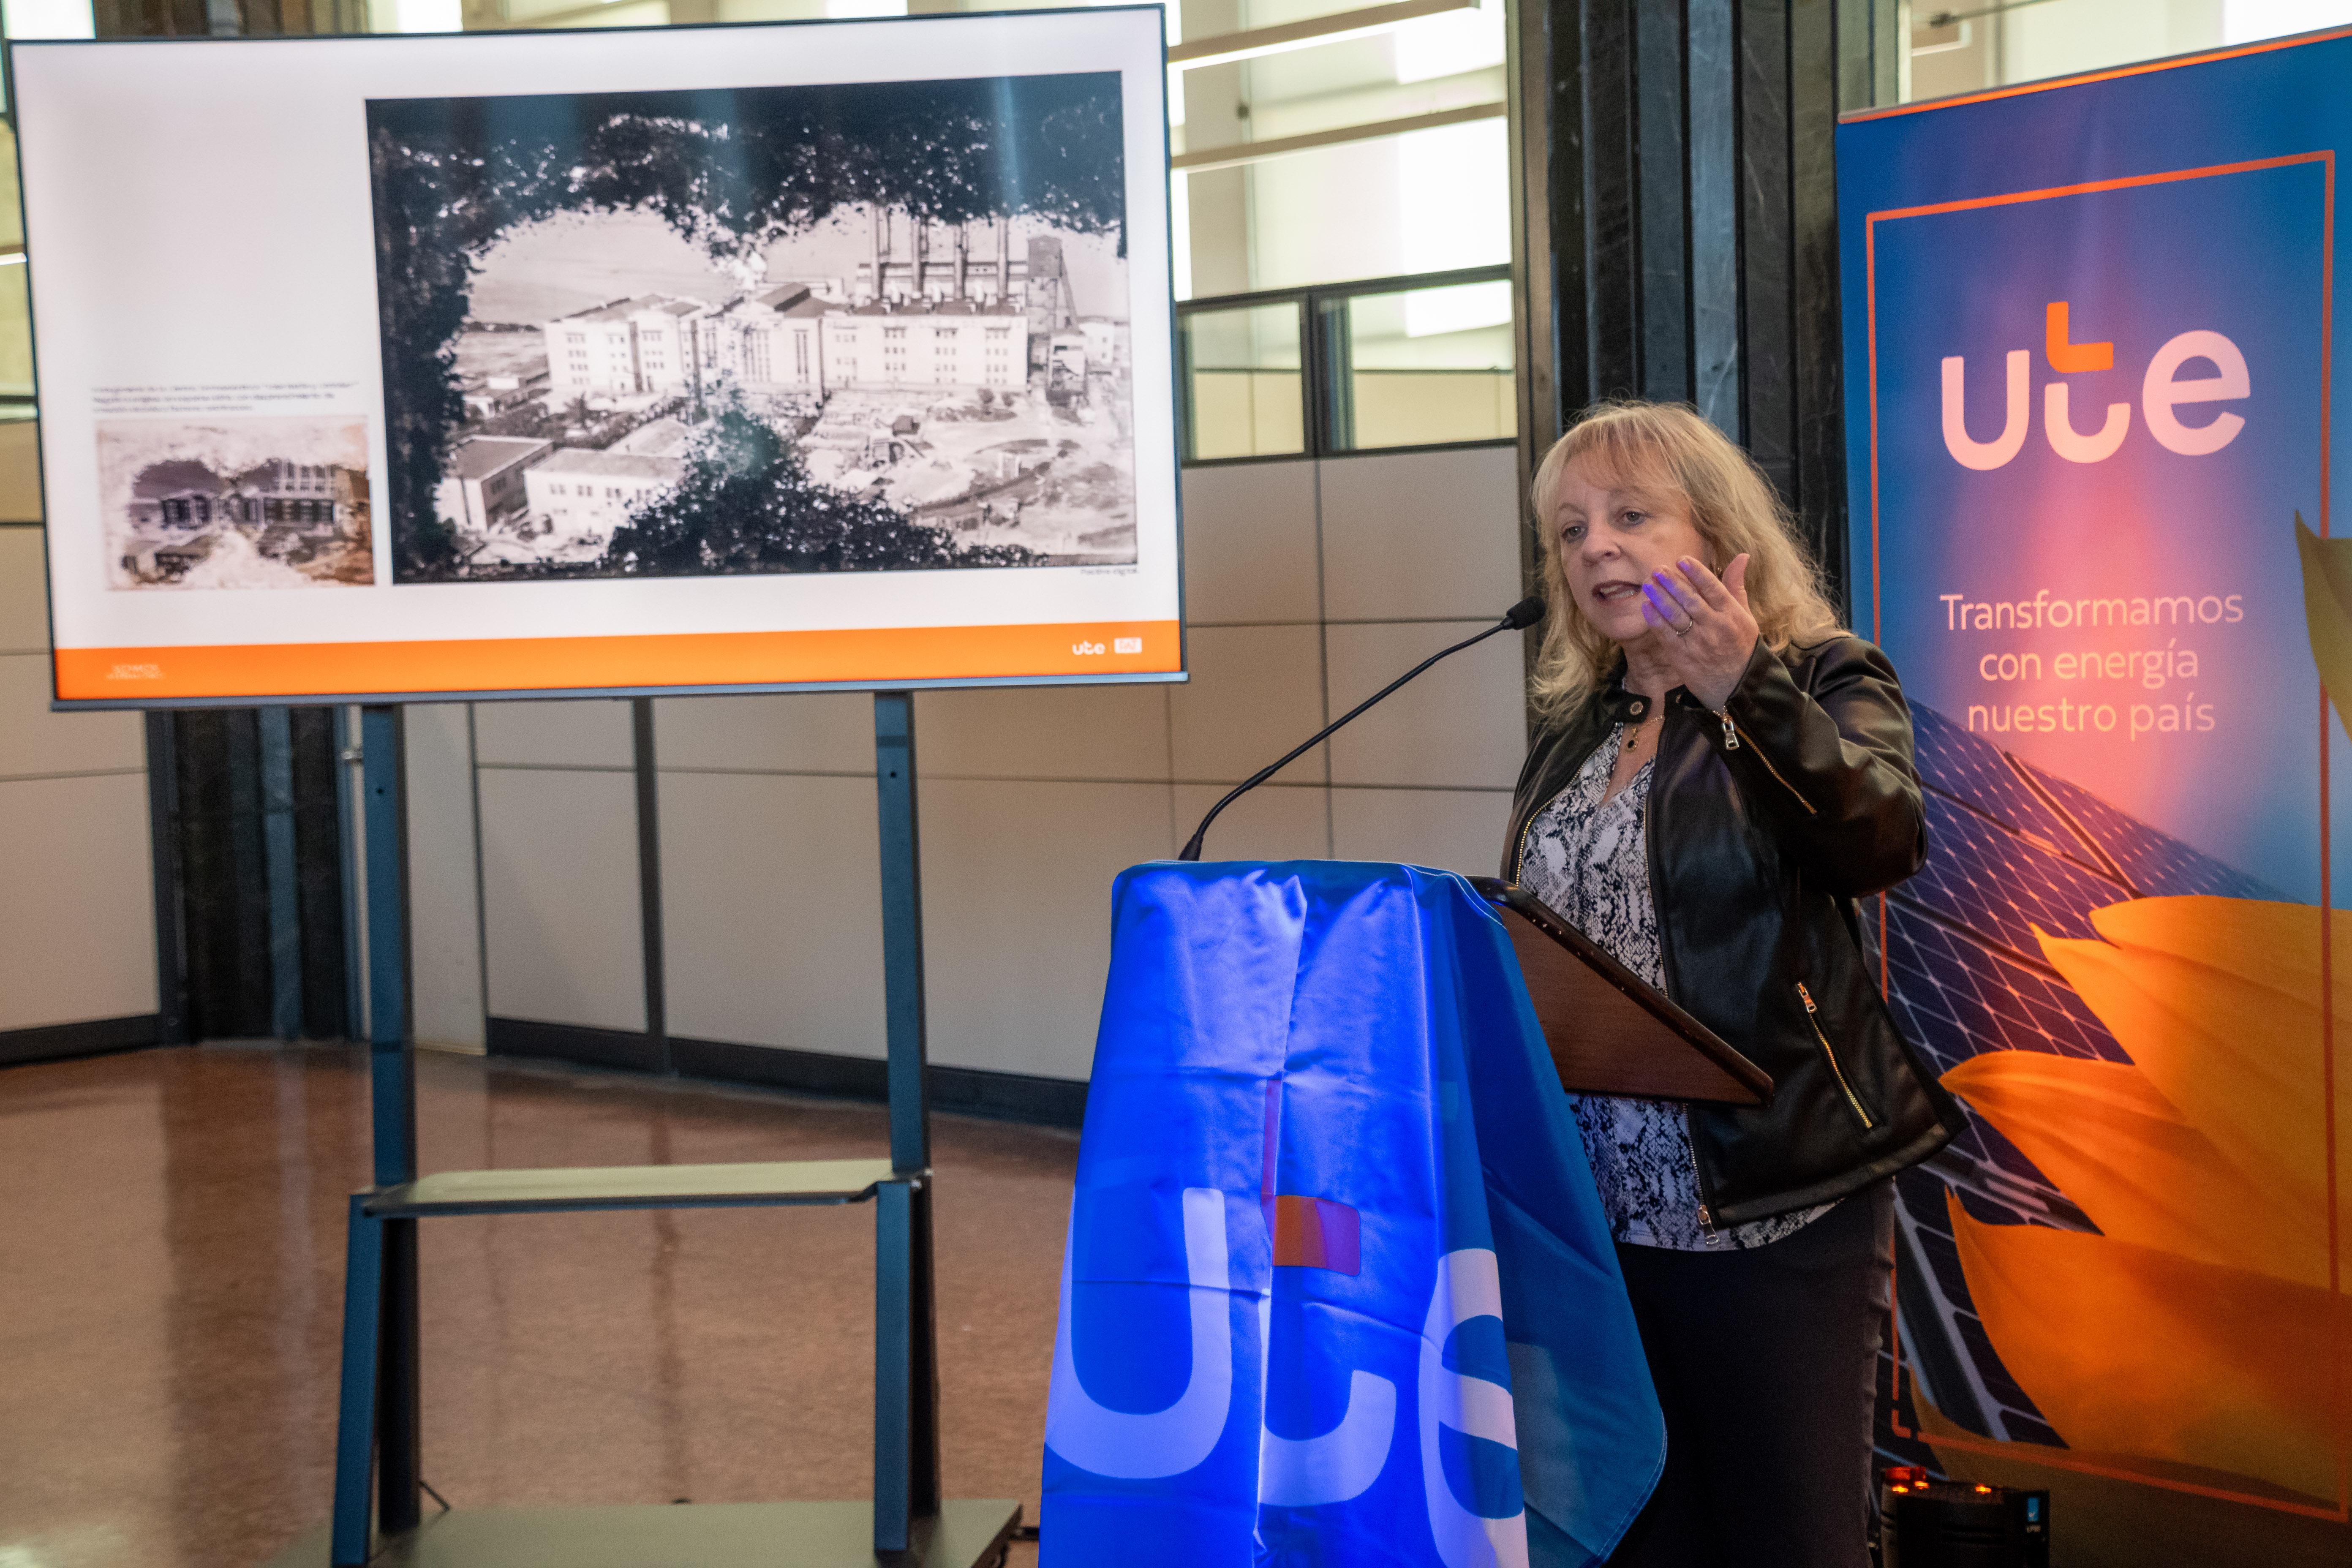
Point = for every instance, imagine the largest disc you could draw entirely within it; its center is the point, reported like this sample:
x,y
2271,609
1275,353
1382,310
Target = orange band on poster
x,y
589,664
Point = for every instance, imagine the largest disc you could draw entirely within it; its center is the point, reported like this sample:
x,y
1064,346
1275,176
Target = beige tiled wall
x,y
1308,586
1413,536
445,927
1017,913
78,927
773,910
559,864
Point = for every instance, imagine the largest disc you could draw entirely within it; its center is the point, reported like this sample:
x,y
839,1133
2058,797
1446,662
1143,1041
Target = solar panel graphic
x,y
2010,849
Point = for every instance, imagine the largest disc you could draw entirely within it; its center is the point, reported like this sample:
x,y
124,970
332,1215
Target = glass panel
x,y
20,473
16,316
1388,207
1243,392
1429,200
1968,48
15,340
1423,366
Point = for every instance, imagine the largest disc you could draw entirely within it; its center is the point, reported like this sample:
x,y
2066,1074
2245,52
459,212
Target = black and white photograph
x,y
860,327
232,502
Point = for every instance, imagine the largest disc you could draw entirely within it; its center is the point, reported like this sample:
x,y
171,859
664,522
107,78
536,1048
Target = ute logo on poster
x,y
2163,392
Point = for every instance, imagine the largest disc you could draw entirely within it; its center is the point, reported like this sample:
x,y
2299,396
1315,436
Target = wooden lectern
x,y
1612,1032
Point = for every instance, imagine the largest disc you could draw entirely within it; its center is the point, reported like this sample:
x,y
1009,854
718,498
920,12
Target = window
x,y
1242,381
1968,48
16,313
1354,367
1420,367
1370,205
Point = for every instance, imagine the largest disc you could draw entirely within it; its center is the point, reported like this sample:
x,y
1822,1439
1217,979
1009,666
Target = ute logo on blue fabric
x,y
1338,1289
1169,1442
1338,1465
2163,391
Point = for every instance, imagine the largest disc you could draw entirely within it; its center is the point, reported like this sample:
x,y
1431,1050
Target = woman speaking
x,y
1719,773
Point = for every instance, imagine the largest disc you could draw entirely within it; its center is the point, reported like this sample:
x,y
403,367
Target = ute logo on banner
x,y
2162,391
1295,1299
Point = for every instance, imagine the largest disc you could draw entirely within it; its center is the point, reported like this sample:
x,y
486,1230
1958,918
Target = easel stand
x,y
376,1445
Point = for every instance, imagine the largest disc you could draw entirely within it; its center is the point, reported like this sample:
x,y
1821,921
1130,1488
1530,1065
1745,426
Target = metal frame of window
x,y
1324,363
14,405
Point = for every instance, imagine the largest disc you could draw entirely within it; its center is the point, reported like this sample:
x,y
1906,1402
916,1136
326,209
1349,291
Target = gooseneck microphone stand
x,y
1518,617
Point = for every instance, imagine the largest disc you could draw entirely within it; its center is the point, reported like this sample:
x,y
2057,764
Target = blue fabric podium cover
x,y
1337,1290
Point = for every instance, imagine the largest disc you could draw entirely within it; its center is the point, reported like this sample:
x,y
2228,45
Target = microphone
x,y
1518,618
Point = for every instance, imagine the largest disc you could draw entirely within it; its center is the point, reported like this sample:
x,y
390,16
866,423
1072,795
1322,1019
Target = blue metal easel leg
x,y
392,1091
894,1365
902,930
347,851
906,1374
355,1416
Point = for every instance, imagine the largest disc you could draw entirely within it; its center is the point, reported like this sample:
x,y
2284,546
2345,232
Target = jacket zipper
x,y
1829,1054
1731,743
1698,1182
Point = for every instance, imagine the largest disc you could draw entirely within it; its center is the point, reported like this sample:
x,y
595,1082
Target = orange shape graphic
x,y
2069,358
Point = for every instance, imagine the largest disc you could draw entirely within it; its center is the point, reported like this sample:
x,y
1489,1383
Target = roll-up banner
x,y
2094,412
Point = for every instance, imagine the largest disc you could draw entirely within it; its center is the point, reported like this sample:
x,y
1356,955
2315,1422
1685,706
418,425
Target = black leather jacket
x,y
1765,822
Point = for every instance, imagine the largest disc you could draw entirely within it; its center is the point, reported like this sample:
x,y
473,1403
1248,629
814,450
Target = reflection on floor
x,y
170,1268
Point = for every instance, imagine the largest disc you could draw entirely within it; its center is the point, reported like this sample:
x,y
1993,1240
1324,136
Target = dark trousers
x,y
1766,1363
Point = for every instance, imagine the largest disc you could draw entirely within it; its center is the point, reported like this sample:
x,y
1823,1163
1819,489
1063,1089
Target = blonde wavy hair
x,y
1667,450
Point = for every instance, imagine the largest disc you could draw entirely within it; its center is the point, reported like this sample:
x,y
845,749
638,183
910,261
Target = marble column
x,y
1677,207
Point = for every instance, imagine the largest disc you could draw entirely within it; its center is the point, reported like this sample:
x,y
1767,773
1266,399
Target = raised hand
x,y
1703,627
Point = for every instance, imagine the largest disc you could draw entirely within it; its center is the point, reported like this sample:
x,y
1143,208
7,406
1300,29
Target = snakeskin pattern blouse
x,y
1587,859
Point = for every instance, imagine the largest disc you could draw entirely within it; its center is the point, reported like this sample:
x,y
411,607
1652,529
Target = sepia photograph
x,y
844,328
263,502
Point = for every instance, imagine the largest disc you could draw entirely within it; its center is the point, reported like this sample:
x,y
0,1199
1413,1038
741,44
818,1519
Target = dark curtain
x,y
225,879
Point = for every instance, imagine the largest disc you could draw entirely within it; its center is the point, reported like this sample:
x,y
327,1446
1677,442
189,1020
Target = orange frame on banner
x,y
2342,1512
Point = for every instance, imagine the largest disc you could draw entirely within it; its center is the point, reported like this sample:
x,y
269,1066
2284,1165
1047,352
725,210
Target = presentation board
x,y
692,359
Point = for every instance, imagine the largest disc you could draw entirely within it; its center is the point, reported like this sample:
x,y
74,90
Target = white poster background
x,y
199,213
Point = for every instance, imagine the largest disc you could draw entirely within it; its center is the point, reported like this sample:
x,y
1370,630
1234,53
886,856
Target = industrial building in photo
x,y
942,318
784,339
482,481
584,495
